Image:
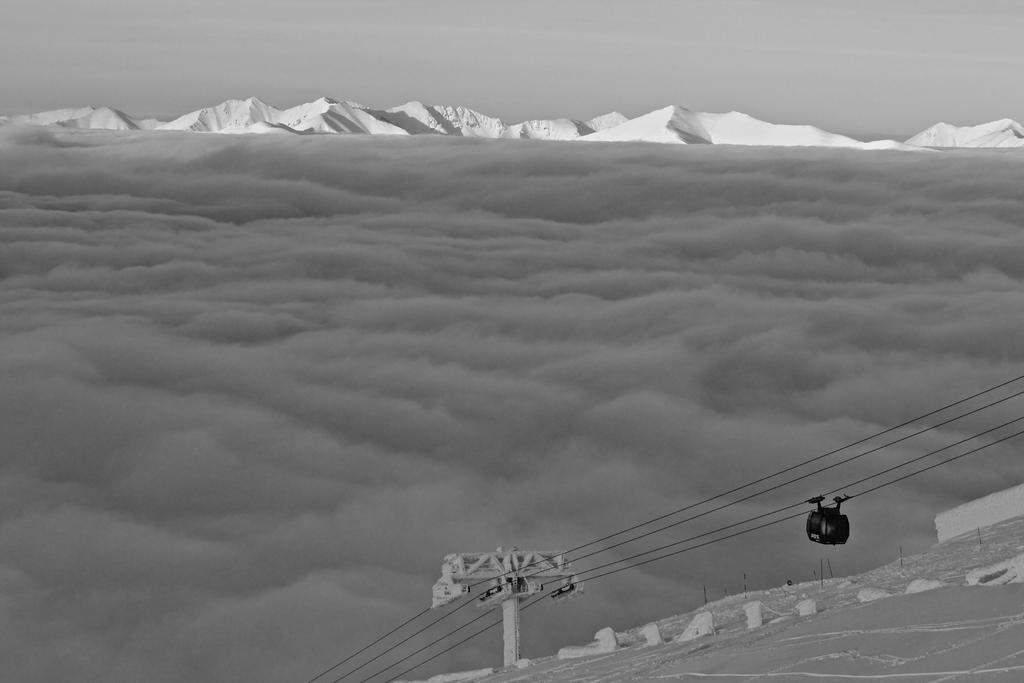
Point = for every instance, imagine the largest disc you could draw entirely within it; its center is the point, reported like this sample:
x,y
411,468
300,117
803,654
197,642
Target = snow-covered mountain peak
x,y
999,133
228,114
104,118
672,124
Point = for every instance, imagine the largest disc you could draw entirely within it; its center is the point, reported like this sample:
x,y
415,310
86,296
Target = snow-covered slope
x,y
734,128
947,628
103,118
1000,133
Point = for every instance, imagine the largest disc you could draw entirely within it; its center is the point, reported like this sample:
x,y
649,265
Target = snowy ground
x,y
951,633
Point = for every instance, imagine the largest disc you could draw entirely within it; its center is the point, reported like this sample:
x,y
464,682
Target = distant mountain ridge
x,y
671,125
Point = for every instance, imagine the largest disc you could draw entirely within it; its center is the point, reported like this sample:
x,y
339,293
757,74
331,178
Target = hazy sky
x,y
875,66
253,390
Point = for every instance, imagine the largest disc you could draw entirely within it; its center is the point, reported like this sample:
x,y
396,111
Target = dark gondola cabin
x,y
826,524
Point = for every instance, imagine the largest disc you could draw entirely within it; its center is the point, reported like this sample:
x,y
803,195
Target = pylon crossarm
x,y
510,575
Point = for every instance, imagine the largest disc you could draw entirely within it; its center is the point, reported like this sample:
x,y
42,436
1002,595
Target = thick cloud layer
x,y
254,390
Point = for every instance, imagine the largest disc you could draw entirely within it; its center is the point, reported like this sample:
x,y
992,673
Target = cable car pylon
x,y
461,571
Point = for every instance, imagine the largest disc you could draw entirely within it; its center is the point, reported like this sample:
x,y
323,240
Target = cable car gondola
x,y
826,525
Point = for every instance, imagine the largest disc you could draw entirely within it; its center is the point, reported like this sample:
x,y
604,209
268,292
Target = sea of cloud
x,y
252,390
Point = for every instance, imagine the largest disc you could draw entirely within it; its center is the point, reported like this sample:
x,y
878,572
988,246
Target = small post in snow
x,y
901,557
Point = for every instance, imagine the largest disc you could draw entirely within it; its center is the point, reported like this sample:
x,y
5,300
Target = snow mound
x,y
998,574
651,634
755,614
605,641
922,585
999,133
872,594
702,624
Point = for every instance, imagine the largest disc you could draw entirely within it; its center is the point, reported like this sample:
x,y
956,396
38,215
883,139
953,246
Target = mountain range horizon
x,y
671,124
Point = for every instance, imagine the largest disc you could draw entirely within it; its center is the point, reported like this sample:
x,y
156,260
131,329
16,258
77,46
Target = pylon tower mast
x,y
509,576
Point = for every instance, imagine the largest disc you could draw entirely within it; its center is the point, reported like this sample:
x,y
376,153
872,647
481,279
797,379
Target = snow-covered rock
x,y
872,594
998,574
702,624
755,614
807,608
604,641
651,634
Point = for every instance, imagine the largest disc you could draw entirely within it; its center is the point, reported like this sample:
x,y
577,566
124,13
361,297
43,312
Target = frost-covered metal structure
x,y
504,577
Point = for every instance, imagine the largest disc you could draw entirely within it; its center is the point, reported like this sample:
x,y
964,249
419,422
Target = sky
x,y
871,68
253,390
